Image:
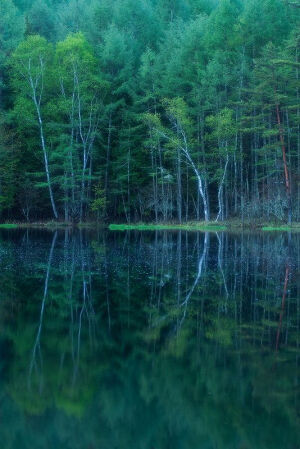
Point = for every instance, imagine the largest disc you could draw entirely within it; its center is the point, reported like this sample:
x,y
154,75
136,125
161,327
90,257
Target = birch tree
x,y
178,137
30,63
222,134
81,93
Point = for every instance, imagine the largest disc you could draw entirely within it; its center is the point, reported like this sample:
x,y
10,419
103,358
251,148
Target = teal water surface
x,y
149,340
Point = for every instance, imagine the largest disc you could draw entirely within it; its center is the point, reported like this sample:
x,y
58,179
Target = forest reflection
x,y
149,340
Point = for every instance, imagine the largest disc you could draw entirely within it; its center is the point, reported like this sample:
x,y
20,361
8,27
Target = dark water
x,y
149,340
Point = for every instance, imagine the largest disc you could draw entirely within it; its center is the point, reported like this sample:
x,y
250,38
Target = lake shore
x,y
210,226
230,225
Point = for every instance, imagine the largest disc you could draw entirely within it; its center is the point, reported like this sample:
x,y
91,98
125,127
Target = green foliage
x,y
123,87
41,20
99,203
222,125
205,227
8,226
12,27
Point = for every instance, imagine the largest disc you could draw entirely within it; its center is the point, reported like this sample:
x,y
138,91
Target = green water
x,y
152,340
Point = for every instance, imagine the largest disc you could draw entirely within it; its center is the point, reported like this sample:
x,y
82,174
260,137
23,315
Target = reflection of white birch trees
x,y
37,344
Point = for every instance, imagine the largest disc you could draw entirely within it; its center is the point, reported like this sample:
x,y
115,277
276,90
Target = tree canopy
x,y
149,111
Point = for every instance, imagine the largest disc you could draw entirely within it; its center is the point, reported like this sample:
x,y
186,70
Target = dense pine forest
x,y
149,110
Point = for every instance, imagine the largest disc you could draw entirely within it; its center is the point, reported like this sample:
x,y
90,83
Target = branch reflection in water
x,y
163,339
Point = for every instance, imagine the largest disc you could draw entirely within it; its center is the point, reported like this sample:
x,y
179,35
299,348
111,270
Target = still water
x,y
113,340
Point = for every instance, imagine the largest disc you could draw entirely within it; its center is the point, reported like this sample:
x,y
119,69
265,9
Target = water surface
x,y
149,340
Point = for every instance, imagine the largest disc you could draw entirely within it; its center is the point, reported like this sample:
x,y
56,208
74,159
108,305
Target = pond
x,y
149,340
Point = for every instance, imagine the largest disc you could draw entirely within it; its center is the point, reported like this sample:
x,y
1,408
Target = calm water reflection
x,y
149,340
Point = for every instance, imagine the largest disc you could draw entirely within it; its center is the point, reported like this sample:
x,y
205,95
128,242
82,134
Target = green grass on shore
x,y
293,228
8,226
48,225
206,227
168,227
234,226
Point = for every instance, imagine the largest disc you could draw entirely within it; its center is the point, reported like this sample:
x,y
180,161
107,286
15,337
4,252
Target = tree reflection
x,y
149,340
37,345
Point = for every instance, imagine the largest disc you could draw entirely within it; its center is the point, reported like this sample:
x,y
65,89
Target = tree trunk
x,y
179,187
220,190
108,155
42,137
46,163
286,172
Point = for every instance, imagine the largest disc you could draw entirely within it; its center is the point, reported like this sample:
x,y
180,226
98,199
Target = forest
x,y
149,111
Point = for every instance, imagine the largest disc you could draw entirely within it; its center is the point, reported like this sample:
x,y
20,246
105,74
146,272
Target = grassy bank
x,y
153,227
294,227
8,226
212,226
206,227
50,225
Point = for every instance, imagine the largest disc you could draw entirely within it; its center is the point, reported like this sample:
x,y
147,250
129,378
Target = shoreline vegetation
x,y
211,226
207,227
